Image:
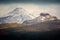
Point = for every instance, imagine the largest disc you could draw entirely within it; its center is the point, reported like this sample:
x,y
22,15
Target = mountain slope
x,y
33,21
42,18
18,15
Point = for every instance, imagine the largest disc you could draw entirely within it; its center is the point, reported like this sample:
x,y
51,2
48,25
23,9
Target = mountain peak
x,y
17,15
18,8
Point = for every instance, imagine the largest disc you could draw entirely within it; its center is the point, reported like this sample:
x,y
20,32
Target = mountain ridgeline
x,y
18,15
20,20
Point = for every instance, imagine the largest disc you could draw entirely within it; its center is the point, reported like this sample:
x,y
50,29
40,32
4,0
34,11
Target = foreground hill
x,y
41,27
40,31
9,25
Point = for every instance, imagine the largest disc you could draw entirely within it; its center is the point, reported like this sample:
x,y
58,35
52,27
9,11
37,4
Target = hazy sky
x,y
32,7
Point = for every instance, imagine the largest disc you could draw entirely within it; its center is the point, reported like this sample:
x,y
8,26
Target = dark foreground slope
x,y
50,35
46,30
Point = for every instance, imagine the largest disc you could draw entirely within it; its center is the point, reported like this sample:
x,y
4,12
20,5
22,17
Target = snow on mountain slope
x,y
18,15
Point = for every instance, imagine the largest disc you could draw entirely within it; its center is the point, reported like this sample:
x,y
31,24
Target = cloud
x,y
34,9
27,1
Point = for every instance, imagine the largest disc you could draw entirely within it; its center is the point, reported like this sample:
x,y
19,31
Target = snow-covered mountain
x,y
33,21
17,15
44,17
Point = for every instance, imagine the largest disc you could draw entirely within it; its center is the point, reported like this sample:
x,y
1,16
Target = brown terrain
x,y
42,26
9,25
43,30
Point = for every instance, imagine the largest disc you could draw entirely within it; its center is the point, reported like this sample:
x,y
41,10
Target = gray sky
x,y
32,7
11,1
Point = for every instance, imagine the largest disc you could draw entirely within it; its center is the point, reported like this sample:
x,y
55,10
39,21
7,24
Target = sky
x,y
34,7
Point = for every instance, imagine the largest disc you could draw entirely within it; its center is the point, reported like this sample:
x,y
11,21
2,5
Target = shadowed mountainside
x,y
42,26
40,31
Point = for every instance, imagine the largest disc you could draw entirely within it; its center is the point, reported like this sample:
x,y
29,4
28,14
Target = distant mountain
x,y
17,15
41,18
33,21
